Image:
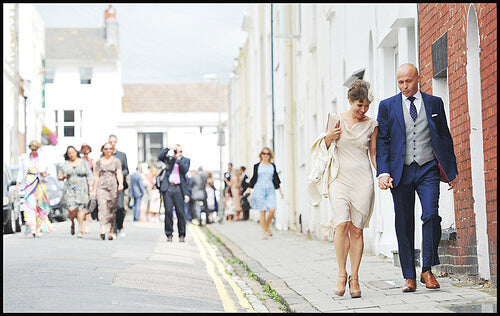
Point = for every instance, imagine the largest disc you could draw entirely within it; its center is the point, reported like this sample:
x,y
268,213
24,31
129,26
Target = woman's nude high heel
x,y
337,291
354,293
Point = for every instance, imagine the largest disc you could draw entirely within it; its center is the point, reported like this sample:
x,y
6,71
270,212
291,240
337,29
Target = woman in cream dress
x,y
351,194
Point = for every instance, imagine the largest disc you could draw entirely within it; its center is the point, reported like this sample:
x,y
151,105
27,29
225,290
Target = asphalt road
x,y
141,272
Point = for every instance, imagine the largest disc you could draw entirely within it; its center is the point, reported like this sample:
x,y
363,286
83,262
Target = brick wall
x,y
435,19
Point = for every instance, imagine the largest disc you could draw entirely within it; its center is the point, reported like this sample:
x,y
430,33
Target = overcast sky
x,y
164,43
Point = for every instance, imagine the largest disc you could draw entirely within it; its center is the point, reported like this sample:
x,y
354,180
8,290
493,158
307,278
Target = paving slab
x,y
304,270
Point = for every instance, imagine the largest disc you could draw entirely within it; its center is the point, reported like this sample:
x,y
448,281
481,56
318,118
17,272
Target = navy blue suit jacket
x,y
391,137
184,164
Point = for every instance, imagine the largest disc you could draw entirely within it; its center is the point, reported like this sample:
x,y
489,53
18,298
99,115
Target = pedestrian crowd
x,y
409,145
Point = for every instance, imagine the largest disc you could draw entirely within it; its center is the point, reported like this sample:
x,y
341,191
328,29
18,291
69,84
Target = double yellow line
x,y
227,301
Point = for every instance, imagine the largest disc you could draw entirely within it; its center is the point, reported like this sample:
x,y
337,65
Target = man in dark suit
x,y
136,192
174,190
120,211
245,204
414,152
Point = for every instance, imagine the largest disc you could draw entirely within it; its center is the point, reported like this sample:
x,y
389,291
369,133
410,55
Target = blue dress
x,y
264,193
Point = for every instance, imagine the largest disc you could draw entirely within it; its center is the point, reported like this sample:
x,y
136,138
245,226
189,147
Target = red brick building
x,y
458,47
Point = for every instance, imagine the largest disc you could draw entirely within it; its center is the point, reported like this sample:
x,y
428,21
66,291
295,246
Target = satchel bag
x,y
92,206
159,178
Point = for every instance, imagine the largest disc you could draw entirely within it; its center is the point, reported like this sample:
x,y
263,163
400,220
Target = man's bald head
x,y
407,67
408,79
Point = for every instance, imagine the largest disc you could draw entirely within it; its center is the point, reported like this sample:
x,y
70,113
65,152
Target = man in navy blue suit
x,y
415,152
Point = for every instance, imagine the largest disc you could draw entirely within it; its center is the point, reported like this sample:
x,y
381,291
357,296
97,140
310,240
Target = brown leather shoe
x,y
410,285
429,280
181,239
169,238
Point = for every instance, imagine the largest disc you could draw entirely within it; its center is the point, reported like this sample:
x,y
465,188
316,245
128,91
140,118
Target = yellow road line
x,y
227,302
222,270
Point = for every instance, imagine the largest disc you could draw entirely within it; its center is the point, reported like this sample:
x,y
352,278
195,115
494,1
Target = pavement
x,y
303,272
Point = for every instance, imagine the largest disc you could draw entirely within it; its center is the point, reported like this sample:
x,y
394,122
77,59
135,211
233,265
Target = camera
x,y
169,160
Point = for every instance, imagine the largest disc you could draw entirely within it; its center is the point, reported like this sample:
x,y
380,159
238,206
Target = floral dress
x,y
76,187
107,190
36,205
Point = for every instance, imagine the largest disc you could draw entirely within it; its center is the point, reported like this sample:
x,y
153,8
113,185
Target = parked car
x,y
18,199
55,193
11,215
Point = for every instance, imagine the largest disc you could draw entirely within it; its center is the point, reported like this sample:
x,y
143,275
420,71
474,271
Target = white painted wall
x,y
9,87
101,103
178,128
476,142
31,41
327,47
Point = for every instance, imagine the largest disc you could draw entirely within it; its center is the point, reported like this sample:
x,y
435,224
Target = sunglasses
x,y
108,148
266,154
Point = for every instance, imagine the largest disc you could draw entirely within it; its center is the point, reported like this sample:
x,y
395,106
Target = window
x,y
439,51
149,146
49,75
69,118
85,75
68,122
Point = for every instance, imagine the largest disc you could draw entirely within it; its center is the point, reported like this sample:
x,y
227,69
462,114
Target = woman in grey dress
x,y
76,187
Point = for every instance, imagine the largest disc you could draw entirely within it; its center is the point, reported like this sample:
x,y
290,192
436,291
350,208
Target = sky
x,y
164,43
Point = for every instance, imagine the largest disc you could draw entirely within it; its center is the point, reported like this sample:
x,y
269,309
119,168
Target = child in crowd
x,y
229,209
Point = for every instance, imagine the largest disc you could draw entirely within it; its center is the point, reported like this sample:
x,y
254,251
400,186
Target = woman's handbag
x,y
159,178
92,207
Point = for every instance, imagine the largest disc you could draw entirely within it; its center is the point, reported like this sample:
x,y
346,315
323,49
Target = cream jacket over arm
x,y
324,169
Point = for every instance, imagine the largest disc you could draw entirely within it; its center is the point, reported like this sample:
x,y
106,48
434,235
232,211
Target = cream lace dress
x,y
351,194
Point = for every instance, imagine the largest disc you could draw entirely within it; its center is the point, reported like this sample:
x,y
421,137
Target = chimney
x,y
111,26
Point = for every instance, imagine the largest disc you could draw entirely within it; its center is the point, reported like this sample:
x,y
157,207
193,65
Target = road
x,y
141,272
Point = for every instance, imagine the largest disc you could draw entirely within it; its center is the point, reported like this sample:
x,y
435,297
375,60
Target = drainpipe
x,y
272,77
289,119
262,68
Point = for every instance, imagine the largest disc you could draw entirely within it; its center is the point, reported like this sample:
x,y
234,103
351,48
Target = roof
x,y
174,97
85,44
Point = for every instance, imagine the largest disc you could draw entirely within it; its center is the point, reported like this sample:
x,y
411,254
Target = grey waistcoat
x,y
418,138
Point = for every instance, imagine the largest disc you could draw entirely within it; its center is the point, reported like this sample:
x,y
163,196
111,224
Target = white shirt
x,y
406,103
417,102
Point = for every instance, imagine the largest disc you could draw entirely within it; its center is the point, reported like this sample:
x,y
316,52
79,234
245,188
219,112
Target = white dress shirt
x,y
417,102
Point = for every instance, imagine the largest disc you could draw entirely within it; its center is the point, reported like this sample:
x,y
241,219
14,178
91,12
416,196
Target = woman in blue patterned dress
x,y
264,182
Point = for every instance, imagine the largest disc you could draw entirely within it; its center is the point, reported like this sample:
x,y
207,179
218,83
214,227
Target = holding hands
x,y
385,182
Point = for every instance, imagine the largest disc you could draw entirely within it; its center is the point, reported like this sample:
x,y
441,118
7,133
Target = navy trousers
x,y
173,197
425,181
